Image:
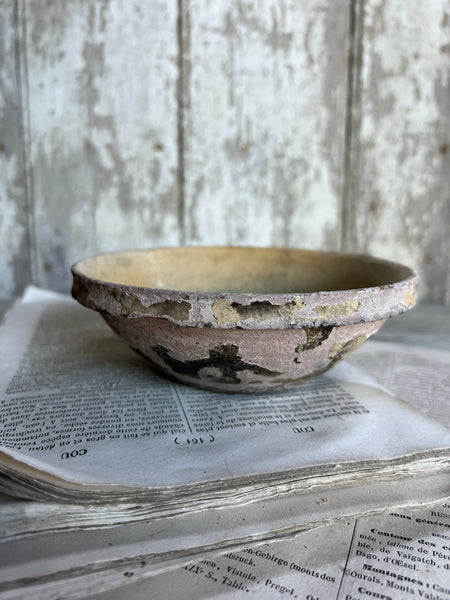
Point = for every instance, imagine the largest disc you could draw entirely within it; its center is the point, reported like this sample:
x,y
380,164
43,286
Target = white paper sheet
x,y
48,566
77,403
401,555
339,561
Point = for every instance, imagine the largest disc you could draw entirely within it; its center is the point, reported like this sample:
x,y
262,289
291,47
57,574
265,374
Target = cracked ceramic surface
x,y
243,319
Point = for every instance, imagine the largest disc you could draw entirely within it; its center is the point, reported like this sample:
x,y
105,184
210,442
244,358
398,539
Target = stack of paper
x,y
131,473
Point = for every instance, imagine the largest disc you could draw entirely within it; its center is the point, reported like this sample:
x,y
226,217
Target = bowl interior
x,y
242,270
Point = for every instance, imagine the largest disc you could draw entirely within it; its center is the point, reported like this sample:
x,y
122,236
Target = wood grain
x,y
320,124
103,129
400,167
264,121
15,270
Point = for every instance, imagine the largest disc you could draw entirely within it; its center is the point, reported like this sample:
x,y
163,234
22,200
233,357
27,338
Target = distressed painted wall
x,y
14,233
400,163
102,115
265,88
321,124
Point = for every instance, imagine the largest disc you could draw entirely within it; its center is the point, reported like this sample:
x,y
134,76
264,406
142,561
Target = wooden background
x,y
314,123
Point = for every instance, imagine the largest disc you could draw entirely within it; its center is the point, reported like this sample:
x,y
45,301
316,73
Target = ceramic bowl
x,y
236,319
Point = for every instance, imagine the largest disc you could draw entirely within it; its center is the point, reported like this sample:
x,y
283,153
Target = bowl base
x,y
240,361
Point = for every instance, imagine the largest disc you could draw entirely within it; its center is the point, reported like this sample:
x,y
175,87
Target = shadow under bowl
x,y
241,319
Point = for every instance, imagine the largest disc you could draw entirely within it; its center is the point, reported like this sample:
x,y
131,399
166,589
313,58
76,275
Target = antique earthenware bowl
x,y
237,319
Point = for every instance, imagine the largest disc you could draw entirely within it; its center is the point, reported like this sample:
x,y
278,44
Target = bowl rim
x,y
282,310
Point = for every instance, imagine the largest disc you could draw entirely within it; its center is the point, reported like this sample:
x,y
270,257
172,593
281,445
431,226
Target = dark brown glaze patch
x,y
153,364
225,358
314,337
227,312
342,349
178,311
262,310
337,353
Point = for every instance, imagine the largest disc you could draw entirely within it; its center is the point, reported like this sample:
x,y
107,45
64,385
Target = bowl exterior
x,y
236,360
243,341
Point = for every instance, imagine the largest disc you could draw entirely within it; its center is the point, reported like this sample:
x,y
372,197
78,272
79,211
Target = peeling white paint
x,y
12,230
14,246
258,168
403,199
103,130
263,131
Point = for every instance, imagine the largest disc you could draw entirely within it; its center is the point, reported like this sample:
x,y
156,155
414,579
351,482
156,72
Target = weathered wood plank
x,y
264,121
400,167
262,95
14,240
103,128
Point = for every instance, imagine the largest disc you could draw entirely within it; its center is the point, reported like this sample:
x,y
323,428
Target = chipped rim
x,y
285,310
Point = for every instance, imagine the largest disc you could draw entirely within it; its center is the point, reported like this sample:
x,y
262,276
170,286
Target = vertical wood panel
x,y
103,128
257,153
400,168
14,241
265,96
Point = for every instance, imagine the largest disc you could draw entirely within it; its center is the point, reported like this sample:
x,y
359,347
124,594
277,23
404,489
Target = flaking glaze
x,y
243,319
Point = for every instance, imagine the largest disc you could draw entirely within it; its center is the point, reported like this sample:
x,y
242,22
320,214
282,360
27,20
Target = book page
x,y
417,373
428,325
79,404
400,555
404,554
69,563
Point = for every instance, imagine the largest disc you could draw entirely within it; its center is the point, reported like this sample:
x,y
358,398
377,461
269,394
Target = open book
x,y
394,556
85,420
